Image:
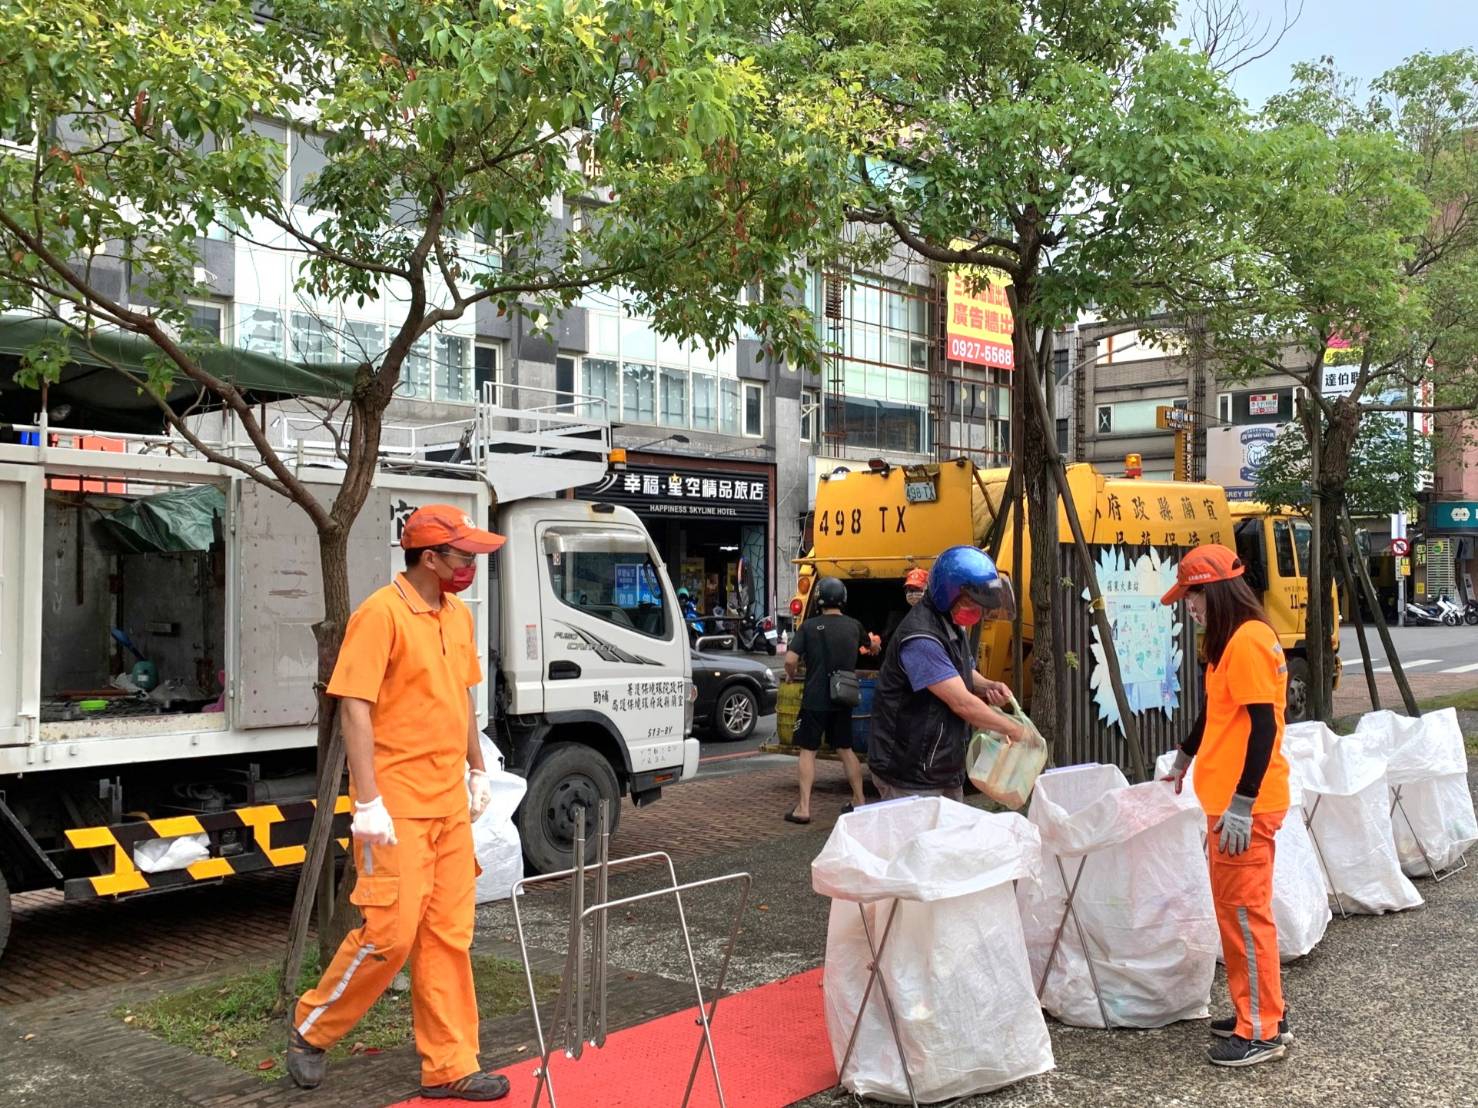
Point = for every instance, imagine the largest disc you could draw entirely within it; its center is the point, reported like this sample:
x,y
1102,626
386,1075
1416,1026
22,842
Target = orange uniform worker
x,y
1241,780
404,678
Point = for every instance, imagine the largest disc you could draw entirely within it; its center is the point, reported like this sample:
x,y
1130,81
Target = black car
x,y
733,692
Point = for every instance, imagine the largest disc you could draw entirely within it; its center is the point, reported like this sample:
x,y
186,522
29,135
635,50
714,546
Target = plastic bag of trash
x,y
1143,900
1428,764
494,836
955,965
1300,897
1347,806
1004,771
163,855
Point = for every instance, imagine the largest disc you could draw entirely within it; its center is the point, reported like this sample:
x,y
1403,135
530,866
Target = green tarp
x,y
102,399
179,520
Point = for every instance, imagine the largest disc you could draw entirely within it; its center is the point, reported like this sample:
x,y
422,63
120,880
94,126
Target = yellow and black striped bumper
x,y
272,835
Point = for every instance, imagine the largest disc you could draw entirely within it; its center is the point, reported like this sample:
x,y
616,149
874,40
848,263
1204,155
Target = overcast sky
x,y
1365,37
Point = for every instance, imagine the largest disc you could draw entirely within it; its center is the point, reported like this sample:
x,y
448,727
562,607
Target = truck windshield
x,y
609,575
1303,534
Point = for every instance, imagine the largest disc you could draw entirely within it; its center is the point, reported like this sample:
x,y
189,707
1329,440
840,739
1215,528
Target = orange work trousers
x,y
417,898
1242,889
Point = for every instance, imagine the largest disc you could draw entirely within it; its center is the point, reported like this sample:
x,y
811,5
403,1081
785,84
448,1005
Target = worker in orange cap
x,y
405,679
1241,780
914,582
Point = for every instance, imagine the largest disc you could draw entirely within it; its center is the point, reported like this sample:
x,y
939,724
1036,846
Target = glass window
x,y
896,305
209,319
564,380
896,349
415,371
1303,534
1224,407
601,383
605,333
1283,546
728,421
312,340
485,359
754,410
854,379
453,382
1105,419
674,398
363,342
638,340
609,575
260,330
867,305
308,162
705,402
810,414
918,389
671,351
638,393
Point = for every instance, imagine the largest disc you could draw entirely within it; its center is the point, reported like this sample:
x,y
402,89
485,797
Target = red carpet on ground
x,y
771,1045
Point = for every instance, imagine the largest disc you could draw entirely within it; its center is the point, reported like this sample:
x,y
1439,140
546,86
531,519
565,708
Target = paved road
x,y
1424,650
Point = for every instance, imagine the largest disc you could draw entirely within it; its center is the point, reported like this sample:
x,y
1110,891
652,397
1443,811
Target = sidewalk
x,y
1383,1009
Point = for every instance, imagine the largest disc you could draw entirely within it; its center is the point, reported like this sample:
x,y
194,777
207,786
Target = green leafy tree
x,y
1385,470
1356,249
1071,147
451,133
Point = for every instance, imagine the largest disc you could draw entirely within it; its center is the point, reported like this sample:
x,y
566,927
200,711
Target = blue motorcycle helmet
x,y
965,571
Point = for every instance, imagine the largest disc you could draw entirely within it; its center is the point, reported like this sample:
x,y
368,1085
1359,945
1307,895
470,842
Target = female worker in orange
x,y
1241,780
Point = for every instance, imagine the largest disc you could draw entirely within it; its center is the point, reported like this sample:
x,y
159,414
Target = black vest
x,y
916,741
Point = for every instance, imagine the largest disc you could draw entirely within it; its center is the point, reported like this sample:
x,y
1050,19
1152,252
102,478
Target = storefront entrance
x,y
712,526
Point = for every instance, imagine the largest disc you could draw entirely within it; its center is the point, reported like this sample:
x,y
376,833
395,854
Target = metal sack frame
x,y
1070,911
1396,805
1309,815
583,1014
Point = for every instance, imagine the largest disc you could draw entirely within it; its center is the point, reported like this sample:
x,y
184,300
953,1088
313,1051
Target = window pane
x,y
601,383
854,379
638,393
1303,534
754,418
729,407
674,398
616,584
207,318
485,366
453,382
259,330
415,372
918,389
705,402
638,340
866,304
363,342
564,381
671,351
896,348
312,342
605,335
1283,544
308,162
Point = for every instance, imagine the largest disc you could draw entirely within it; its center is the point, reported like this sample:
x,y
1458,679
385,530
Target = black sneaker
x,y
1237,1051
306,1063
1225,1029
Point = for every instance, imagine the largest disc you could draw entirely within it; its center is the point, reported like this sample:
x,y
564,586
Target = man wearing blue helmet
x,y
929,694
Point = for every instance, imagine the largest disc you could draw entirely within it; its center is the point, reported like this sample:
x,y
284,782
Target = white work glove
x,y
1178,770
479,793
1235,826
372,823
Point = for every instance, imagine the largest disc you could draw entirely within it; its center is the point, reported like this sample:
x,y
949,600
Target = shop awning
x,y
98,397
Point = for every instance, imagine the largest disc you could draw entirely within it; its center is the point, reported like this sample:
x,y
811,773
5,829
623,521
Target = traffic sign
x,y
1400,547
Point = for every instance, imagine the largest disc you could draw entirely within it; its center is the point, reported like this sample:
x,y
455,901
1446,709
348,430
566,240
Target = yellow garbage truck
x,y
871,526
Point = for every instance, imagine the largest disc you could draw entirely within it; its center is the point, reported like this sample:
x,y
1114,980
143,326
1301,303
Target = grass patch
x,y
1465,701
231,1019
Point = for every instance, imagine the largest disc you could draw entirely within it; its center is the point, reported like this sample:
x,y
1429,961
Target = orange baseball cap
x,y
443,525
1201,566
916,579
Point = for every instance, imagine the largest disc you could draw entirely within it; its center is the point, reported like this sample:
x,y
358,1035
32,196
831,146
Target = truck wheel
x,y
569,776
735,713
1297,709
4,913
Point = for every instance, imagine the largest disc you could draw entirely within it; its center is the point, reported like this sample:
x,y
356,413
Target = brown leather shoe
x,y
475,1086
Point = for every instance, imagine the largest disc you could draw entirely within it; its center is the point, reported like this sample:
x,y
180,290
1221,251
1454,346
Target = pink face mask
x,y
462,578
966,614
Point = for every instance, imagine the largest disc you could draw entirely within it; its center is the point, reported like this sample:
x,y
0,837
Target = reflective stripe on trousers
x,y
1242,890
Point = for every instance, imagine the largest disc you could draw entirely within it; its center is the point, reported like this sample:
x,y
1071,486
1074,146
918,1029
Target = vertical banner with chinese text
x,y
979,324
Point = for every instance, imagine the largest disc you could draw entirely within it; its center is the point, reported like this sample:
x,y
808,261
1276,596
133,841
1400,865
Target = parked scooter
x,y
1470,613
1441,613
757,635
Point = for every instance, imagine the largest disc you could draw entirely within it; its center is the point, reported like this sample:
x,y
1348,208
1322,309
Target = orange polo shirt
x,y
414,663
1252,671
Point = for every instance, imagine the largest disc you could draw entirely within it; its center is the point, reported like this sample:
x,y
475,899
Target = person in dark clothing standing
x,y
929,695
827,643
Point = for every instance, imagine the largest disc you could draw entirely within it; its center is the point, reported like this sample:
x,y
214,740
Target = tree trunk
x,y
1333,447
333,559
1381,627
1042,582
